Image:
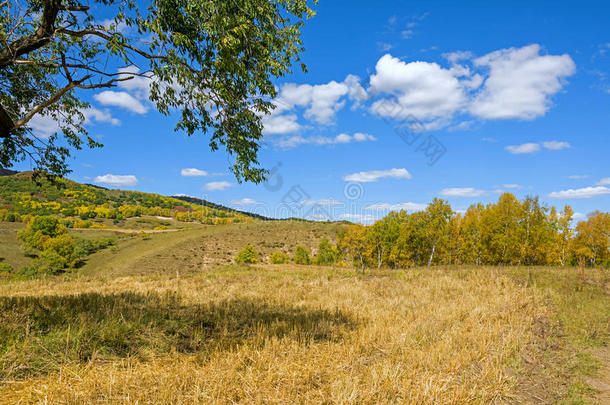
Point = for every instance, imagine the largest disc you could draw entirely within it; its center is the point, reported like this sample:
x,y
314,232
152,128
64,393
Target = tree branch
x,y
53,99
82,33
38,39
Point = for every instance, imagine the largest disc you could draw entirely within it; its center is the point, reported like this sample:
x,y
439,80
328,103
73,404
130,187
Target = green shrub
x,y
326,254
38,232
278,257
5,268
247,255
83,247
301,256
51,262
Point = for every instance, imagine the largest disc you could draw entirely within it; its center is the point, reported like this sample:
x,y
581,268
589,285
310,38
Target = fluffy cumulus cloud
x,y
218,185
462,192
117,180
520,82
604,182
244,201
192,172
421,90
406,206
512,83
280,124
320,104
376,175
43,126
103,116
585,192
121,99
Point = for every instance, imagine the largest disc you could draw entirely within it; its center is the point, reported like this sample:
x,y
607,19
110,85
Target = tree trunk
x,y
432,254
6,123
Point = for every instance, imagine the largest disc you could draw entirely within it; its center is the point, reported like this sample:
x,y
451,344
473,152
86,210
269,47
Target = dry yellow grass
x,y
285,334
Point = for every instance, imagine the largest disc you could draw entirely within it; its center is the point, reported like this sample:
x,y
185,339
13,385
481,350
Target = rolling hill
x,y
20,196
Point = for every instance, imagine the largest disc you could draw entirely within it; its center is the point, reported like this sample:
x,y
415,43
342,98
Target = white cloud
x,y
407,34
117,180
523,148
579,216
375,175
513,186
218,186
296,140
422,90
604,182
244,201
280,124
139,86
44,126
93,114
586,192
322,101
328,201
192,172
406,206
121,99
112,26
384,46
457,56
533,147
521,82
555,145
462,192
578,176
363,218
360,137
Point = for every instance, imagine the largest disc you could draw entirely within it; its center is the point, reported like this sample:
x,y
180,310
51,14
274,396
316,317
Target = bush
x,y
301,256
5,268
278,257
51,262
247,255
326,254
38,232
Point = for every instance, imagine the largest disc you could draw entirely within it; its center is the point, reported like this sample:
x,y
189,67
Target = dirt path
x,y
601,382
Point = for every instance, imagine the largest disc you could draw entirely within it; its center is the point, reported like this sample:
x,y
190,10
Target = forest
x,y
509,232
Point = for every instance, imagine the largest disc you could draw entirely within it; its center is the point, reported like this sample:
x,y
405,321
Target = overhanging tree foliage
x,y
211,62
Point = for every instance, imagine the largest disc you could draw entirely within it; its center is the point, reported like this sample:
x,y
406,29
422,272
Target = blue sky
x,y
516,96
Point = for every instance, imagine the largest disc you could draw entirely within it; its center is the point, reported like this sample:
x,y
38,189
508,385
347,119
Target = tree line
x,y
508,232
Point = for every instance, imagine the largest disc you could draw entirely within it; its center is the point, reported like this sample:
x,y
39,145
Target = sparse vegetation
x,y
278,257
326,253
301,256
247,255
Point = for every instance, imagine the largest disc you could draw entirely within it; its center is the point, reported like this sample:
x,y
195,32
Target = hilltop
x,y
100,206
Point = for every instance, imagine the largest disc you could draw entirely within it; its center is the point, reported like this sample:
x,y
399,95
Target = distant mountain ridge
x,y
7,172
205,203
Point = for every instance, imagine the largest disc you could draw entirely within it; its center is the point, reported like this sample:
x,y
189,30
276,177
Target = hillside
x,y
20,196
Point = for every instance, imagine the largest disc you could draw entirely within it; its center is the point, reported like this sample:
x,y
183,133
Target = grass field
x,y
166,318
